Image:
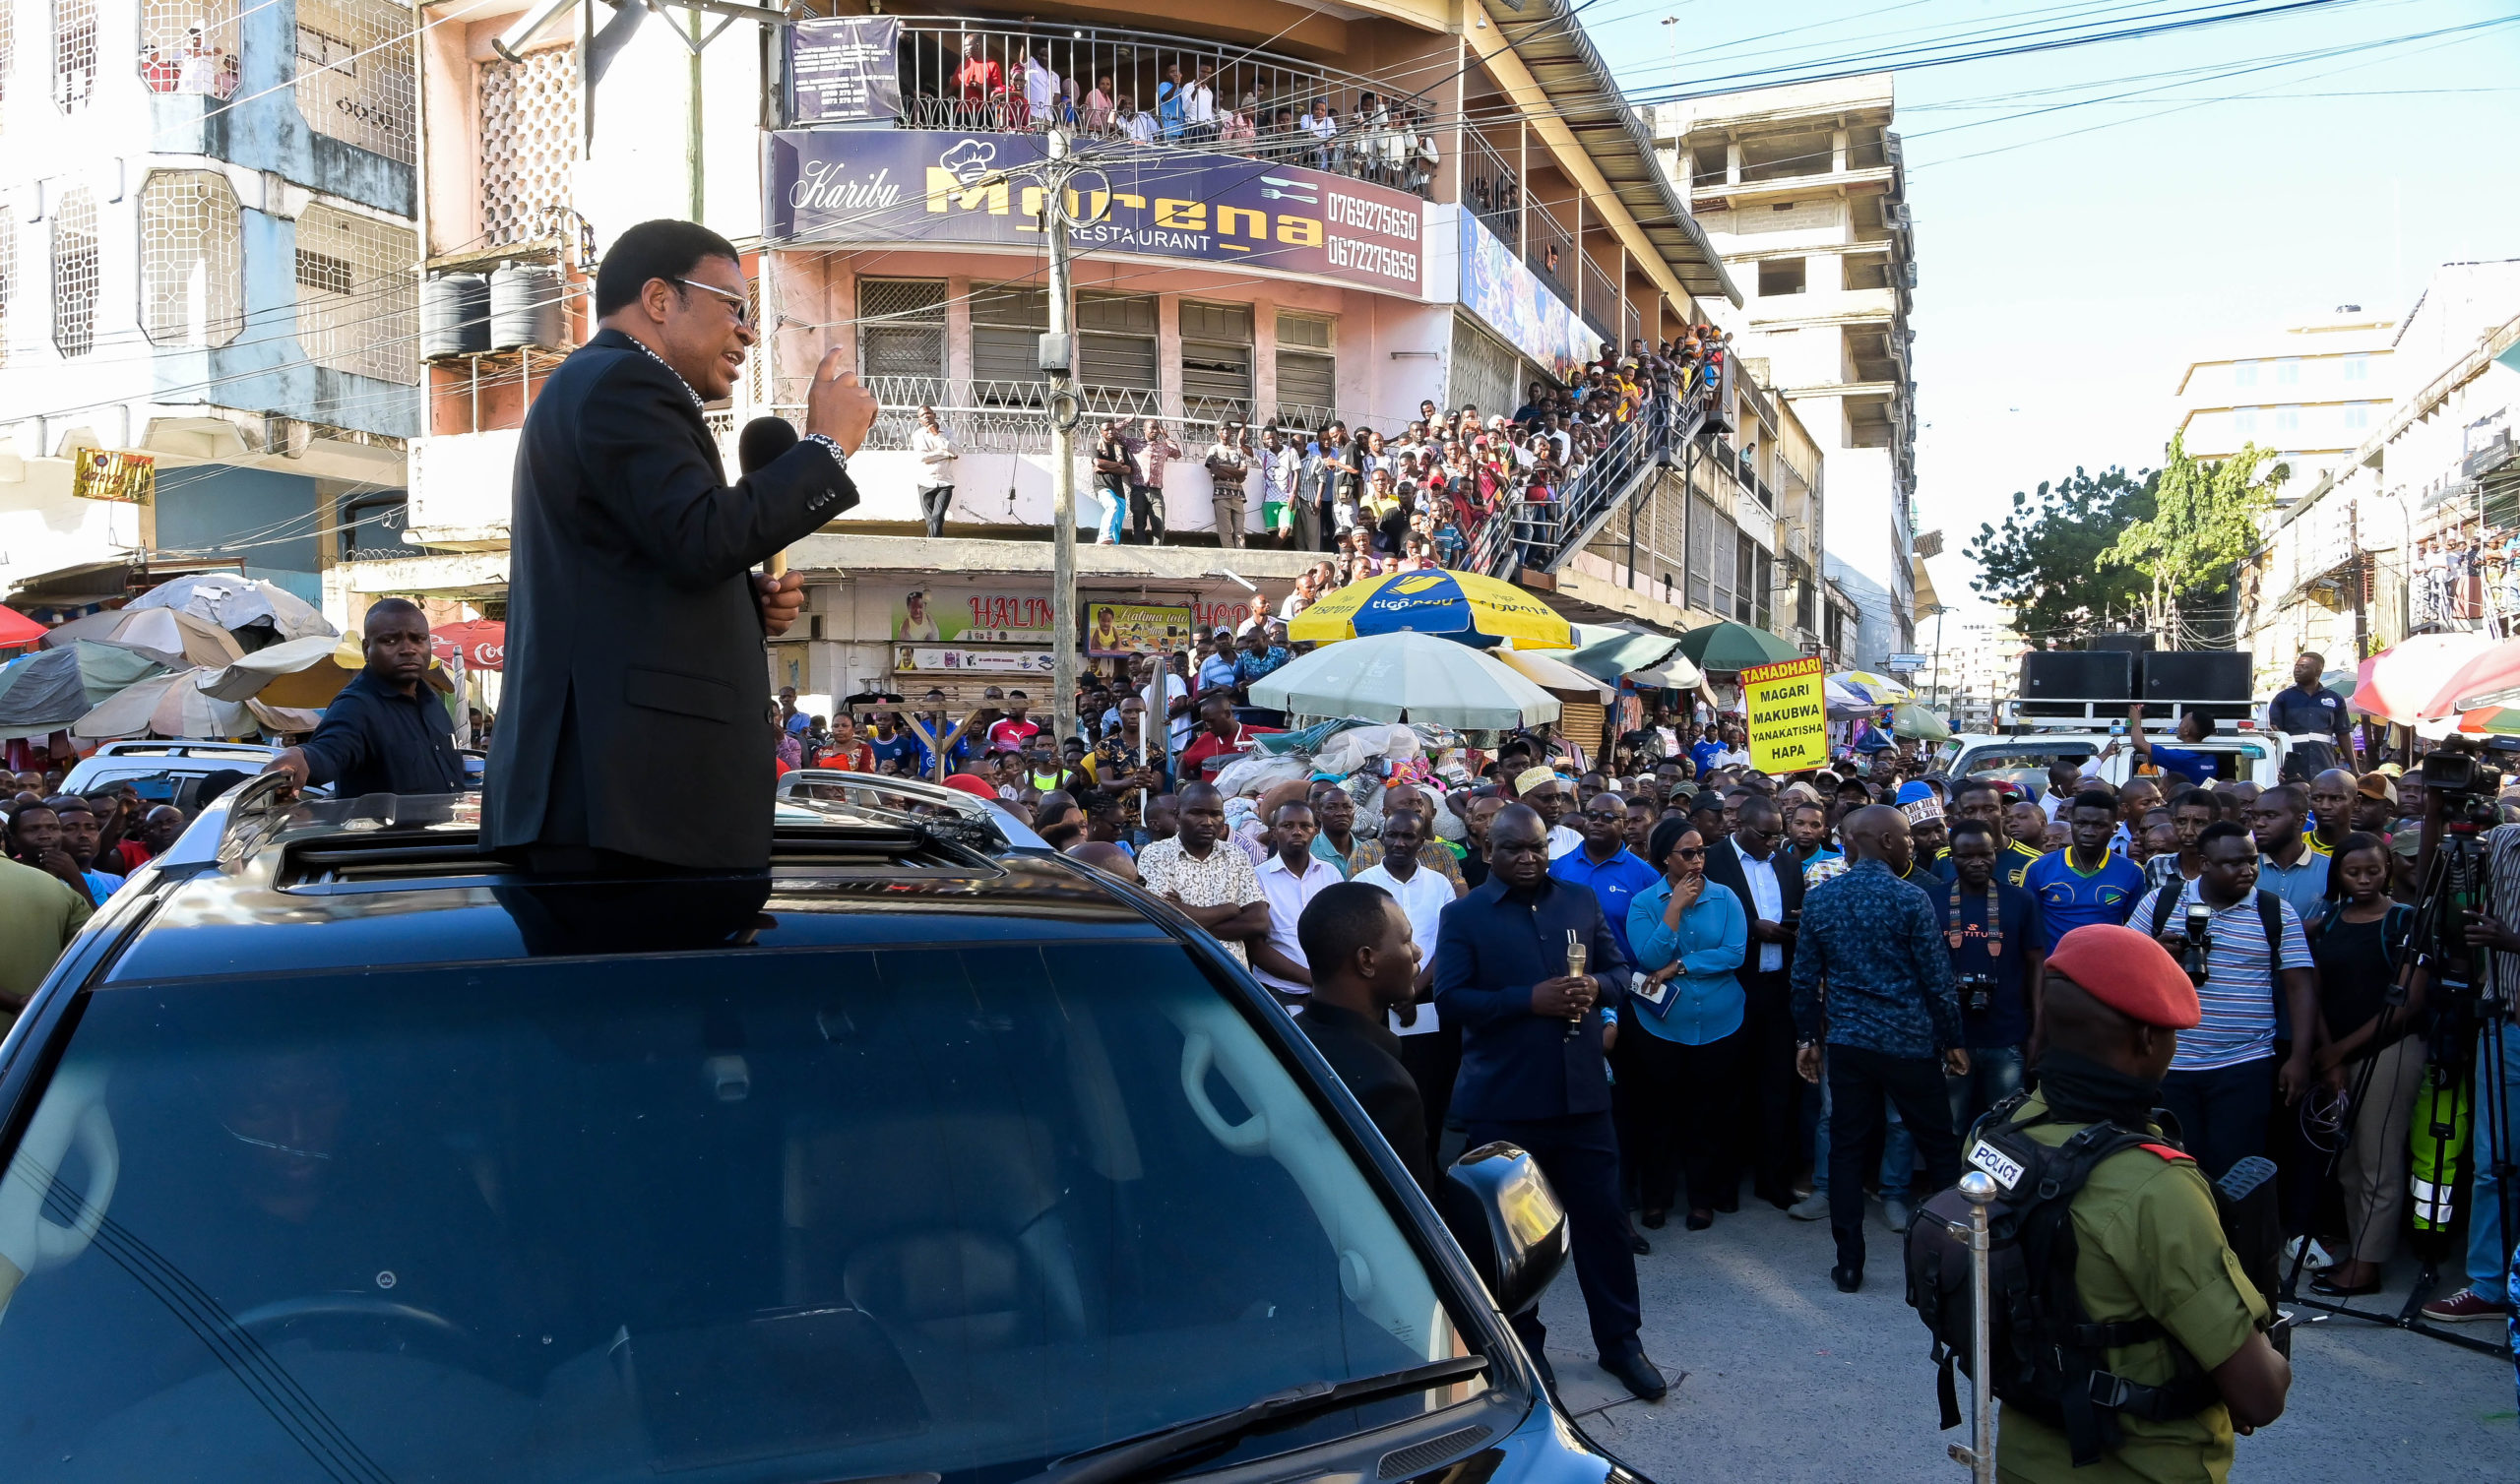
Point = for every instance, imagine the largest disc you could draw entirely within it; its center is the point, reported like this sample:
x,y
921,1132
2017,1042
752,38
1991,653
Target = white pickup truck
x,y
2022,757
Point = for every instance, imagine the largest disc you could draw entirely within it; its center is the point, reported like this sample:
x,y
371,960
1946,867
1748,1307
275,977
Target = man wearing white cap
x,y
1549,796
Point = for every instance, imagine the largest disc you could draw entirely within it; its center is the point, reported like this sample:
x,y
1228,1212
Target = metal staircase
x,y
1542,534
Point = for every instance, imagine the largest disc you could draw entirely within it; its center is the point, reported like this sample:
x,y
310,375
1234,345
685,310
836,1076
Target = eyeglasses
x,y
1691,852
740,306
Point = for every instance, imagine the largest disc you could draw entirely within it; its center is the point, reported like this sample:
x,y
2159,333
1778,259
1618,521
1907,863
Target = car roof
x,y
381,882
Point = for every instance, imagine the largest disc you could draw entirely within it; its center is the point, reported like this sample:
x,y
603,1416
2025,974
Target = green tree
x,y
2203,523
2050,561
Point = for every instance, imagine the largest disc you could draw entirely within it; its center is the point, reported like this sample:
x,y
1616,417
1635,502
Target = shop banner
x,y
925,659
845,69
1499,288
109,474
970,618
1789,716
1113,629
946,186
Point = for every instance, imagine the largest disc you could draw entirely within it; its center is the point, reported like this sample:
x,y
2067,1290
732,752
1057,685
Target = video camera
x,y
2466,786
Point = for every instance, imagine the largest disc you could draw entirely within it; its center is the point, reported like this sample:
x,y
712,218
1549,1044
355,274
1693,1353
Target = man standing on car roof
x,y
2308,709
635,618
387,731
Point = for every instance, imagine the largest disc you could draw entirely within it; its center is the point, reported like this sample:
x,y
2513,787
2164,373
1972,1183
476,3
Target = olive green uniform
x,y
2150,1247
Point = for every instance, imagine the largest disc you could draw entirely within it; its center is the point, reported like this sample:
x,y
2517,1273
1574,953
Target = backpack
x,y
2048,1357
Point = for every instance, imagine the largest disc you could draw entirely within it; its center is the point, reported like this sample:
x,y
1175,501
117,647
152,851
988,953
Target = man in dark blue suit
x,y
1532,1068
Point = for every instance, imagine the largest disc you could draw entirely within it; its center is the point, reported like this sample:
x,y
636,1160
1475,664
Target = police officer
x,y
2151,1247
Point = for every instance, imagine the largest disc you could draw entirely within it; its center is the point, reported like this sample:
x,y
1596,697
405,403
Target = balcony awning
x,y
1550,41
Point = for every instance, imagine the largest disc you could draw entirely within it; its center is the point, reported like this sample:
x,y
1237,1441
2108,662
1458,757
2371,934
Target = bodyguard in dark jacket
x,y
1532,1067
635,669
1772,1094
387,731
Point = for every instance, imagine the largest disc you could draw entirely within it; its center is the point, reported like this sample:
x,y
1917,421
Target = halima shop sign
x,y
947,187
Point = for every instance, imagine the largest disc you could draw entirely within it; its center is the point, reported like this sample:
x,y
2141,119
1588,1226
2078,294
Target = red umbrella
x,y
16,629
2490,678
2400,682
484,642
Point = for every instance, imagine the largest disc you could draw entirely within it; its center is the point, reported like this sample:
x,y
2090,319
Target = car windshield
x,y
950,1211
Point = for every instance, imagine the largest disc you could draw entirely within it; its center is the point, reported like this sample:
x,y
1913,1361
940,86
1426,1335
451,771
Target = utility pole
x,y
1059,359
2354,543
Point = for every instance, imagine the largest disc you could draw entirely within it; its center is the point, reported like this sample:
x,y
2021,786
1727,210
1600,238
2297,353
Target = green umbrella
x,y
1735,647
1909,719
1606,653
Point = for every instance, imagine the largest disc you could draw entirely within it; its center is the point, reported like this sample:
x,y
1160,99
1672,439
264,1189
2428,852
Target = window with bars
x,y
1118,368
1008,321
192,262
529,143
1307,370
75,275
190,47
8,276
358,295
1215,361
900,338
74,53
1482,369
354,73
1715,548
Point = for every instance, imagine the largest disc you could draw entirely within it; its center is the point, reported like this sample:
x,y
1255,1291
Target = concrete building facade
x,y
2309,394
1802,191
208,282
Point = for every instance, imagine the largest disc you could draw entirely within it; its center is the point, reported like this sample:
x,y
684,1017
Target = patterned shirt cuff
x,y
832,447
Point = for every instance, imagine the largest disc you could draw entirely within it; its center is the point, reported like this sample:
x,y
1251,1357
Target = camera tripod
x,y
2473,1014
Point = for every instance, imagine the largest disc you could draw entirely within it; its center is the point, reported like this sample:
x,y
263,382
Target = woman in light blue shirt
x,y
1681,1082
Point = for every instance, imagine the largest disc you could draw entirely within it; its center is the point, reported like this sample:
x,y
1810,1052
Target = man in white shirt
x,y
1306,591
1430,1050
1324,130
1175,689
1199,107
1290,877
1550,797
1040,91
1141,126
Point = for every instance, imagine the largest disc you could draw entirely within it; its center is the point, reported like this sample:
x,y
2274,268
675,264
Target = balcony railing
x,y
1013,416
1602,307
957,75
1551,252
1542,534
1491,190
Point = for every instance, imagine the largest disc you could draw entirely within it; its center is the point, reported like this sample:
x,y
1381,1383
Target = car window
x,y
957,1210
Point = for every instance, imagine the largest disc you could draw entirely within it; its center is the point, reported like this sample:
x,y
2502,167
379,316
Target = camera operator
x,y
1991,928
2253,976
2488,1294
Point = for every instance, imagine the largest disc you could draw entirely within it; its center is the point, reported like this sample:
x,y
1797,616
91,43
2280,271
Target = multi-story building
x,y
1484,216
2416,528
1801,190
208,289
2310,396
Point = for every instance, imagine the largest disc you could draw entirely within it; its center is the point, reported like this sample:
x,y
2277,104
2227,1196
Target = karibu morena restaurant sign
x,y
945,186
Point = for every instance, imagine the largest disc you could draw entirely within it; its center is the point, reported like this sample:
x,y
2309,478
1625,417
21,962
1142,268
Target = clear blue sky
x,y
2065,282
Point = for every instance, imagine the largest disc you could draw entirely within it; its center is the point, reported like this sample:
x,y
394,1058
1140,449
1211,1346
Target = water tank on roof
x,y
526,308
455,315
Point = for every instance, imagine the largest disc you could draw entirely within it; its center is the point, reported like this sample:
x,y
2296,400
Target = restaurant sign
x,y
982,189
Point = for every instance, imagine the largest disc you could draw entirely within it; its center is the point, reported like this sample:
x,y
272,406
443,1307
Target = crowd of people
x,y
90,845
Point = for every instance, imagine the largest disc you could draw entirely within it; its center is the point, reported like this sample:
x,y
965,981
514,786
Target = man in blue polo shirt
x,y
1604,865
2086,882
2197,768
2307,709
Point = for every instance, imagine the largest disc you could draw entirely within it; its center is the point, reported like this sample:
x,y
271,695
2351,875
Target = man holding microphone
x,y
635,620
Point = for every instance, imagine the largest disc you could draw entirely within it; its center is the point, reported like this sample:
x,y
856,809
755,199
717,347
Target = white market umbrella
x,y
245,678
163,706
1383,677
230,602
172,639
1557,675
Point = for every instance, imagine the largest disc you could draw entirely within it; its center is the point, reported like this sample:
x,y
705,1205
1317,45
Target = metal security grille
x,y
358,295
8,278
1120,370
529,133
355,72
190,47
1307,371
1215,361
74,273
192,264
1482,370
1007,323
74,53
901,332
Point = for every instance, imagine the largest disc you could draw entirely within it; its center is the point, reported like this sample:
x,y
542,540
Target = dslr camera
x,y
1977,993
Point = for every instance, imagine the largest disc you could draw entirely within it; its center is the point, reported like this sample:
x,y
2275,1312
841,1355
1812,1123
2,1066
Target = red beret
x,y
2129,974
973,783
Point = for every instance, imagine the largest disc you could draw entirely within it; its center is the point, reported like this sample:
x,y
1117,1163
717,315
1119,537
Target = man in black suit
x,y
1532,1067
1769,883
1364,966
635,621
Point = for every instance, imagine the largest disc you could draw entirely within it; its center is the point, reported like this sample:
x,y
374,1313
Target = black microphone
x,y
764,440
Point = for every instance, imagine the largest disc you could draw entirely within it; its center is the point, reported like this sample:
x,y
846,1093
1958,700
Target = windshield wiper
x,y
1157,1449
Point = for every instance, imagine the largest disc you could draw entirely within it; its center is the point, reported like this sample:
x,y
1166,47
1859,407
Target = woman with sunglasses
x,y
1678,1081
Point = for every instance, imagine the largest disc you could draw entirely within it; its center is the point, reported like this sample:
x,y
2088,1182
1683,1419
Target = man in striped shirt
x,y
2221,1082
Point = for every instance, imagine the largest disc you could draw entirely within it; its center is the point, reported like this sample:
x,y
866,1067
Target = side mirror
x,y
1508,1222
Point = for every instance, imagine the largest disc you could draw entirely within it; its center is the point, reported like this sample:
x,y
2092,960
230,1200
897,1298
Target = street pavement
x,y
1779,1376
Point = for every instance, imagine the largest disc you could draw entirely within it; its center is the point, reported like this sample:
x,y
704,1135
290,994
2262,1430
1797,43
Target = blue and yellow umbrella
x,y
1465,607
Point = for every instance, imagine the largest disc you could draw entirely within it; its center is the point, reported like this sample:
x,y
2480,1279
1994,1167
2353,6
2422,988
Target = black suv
x,y
339,1150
